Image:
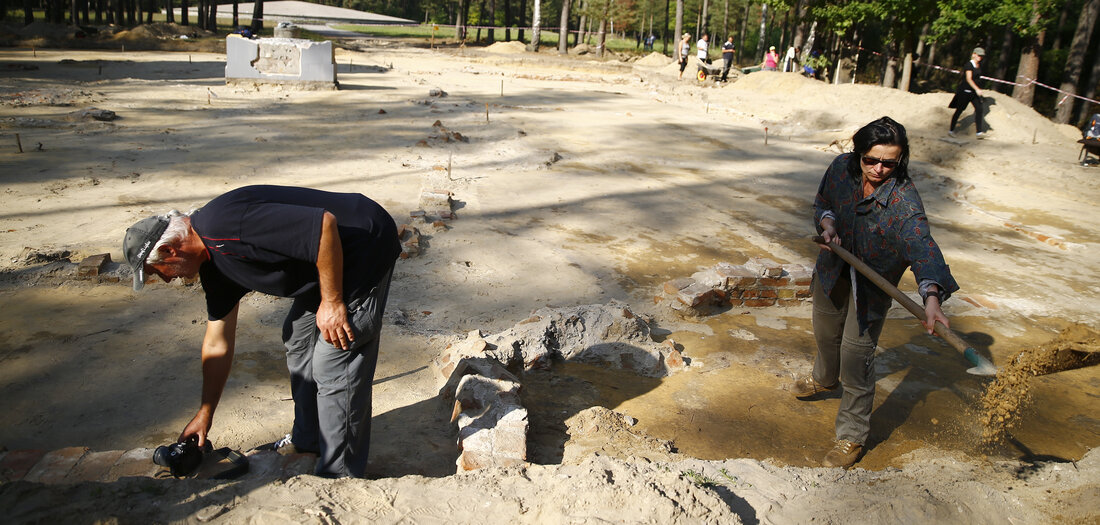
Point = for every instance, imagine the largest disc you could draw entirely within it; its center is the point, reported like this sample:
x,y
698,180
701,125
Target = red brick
x,y
785,293
94,466
767,281
93,265
16,463
790,302
55,465
759,303
674,359
754,294
802,294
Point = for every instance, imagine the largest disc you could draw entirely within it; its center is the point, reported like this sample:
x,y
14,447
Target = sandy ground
x,y
657,178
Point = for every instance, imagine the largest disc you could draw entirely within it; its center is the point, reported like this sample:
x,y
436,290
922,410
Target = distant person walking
x,y
682,51
727,56
771,60
702,49
970,92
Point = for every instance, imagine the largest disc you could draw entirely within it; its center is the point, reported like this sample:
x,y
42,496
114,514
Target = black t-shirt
x,y
727,49
266,238
976,74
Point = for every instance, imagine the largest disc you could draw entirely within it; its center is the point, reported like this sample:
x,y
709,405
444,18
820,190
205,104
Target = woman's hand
x,y
933,313
828,232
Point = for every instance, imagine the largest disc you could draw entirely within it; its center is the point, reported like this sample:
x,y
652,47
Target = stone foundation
x,y
758,283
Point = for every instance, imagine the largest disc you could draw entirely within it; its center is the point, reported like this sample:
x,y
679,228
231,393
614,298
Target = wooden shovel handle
x,y
891,290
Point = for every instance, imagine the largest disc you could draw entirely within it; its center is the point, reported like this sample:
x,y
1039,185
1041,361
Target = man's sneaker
x,y
285,447
844,454
980,134
806,387
951,133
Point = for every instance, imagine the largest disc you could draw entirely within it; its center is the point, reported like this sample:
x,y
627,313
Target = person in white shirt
x,y
701,48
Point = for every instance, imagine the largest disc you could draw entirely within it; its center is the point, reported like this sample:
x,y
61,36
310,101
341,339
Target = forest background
x,y
1045,53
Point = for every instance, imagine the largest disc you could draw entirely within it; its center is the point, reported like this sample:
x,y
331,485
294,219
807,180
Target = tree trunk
x,y
170,13
1077,50
461,21
741,34
1090,92
676,36
257,17
907,65
508,20
1057,44
563,29
725,21
664,30
28,12
1029,62
760,47
492,20
704,17
889,71
184,6
236,15
810,39
536,22
601,37
522,19
212,22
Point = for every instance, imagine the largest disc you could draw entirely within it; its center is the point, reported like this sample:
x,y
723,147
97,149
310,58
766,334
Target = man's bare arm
x,y
217,360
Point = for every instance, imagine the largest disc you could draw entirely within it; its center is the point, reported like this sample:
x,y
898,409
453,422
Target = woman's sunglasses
x,y
871,161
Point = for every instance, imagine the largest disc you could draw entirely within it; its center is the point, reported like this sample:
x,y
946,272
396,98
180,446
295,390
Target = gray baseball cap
x,y
979,51
139,241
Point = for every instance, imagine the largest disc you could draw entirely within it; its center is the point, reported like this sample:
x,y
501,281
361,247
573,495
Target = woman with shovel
x,y
867,204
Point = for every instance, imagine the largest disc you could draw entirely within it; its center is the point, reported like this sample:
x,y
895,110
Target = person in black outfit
x,y
727,56
970,92
334,254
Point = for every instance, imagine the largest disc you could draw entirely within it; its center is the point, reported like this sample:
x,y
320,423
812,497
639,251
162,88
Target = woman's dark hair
x,y
882,131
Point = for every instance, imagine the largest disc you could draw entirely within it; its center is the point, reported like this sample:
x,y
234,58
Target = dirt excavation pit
x,y
650,180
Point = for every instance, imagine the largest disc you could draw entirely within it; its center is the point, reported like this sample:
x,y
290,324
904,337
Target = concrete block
x,y
55,465
93,265
290,61
709,277
17,463
94,466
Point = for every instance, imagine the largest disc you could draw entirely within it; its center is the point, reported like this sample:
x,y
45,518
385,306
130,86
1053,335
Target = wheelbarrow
x,y
713,71
1089,146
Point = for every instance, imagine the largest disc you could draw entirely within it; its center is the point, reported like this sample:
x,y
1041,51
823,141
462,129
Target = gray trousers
x,y
331,387
846,356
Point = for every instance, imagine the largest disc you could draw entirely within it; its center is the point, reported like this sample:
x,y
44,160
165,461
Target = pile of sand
x,y
654,60
1005,398
508,48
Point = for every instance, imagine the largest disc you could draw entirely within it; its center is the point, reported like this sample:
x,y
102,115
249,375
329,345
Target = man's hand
x,y
332,321
199,427
933,313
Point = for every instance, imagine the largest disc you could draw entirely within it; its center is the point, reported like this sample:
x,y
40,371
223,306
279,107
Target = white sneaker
x,y
980,134
951,133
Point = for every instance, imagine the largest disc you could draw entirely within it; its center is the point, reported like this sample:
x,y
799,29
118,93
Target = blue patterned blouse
x,y
887,230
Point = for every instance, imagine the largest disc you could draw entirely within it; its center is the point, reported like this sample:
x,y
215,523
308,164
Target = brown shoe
x,y
844,454
806,387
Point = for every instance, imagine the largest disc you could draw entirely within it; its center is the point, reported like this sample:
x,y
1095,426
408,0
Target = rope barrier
x,y
1030,81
